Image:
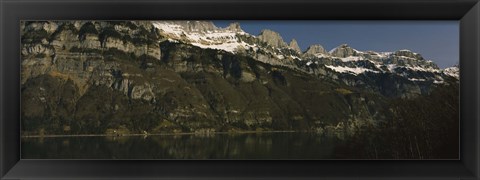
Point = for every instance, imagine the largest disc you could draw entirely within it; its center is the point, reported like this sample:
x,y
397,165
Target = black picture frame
x,y
466,11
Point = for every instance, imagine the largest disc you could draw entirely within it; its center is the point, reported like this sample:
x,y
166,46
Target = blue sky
x,y
435,40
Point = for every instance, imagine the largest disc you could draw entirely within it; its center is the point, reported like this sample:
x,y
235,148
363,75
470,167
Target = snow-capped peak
x,y
342,59
453,71
234,27
340,46
203,34
344,51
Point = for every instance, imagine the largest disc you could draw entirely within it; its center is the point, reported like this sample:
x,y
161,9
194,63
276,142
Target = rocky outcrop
x,y
315,49
272,38
196,26
152,50
416,61
453,71
38,50
234,27
343,51
408,53
294,45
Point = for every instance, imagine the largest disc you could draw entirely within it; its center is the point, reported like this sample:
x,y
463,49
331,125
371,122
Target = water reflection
x,y
217,146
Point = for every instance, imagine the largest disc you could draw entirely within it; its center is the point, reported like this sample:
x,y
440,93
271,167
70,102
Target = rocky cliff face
x,y
234,27
190,76
294,45
315,49
343,51
272,38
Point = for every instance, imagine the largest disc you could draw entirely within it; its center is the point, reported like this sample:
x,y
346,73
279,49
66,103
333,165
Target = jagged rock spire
x,y
343,51
272,38
294,45
234,27
315,49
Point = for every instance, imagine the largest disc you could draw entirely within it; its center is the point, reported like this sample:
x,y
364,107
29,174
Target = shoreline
x,y
155,134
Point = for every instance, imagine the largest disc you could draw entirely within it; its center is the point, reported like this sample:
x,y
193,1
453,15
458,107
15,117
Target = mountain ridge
x,y
347,51
100,76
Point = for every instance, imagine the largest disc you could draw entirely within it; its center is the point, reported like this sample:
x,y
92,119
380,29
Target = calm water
x,y
217,146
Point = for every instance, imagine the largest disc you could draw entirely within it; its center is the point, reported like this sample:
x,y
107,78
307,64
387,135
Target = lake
x,y
280,145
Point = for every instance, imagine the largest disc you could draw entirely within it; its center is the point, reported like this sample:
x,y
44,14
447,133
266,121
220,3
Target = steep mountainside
x,y
189,76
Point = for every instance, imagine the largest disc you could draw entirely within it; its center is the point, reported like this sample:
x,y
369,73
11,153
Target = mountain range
x,y
341,59
190,76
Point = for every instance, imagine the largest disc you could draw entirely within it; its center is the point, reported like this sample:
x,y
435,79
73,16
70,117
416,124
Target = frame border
x,y
466,11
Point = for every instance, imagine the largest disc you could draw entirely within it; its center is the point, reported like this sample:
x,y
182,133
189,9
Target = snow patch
x,y
320,55
356,71
424,69
415,79
351,58
221,39
452,71
391,67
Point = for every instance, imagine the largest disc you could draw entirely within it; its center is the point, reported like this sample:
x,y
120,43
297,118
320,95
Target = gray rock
x,y
196,26
408,53
315,49
294,45
272,38
234,27
34,49
343,51
50,27
142,92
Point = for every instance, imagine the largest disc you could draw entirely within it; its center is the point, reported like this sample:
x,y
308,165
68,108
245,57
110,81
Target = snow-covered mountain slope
x,y
269,47
404,63
453,71
231,39
204,34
